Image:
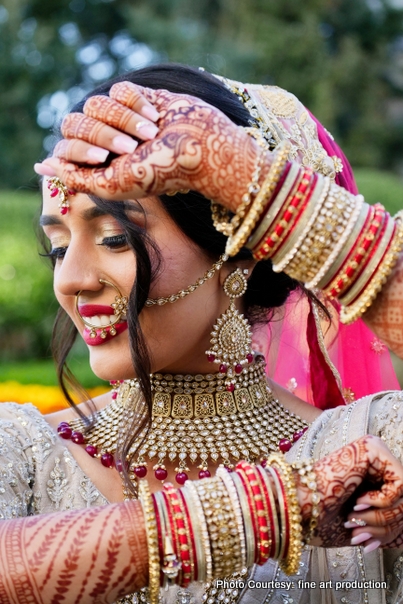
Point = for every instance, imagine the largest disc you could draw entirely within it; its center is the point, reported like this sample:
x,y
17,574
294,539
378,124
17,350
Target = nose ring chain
x,y
119,309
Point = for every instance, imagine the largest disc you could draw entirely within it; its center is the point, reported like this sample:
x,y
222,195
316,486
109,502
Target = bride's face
x,y
89,245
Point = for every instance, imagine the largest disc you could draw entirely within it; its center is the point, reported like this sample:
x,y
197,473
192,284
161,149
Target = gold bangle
x,y
307,477
221,221
306,223
236,241
351,313
330,224
233,495
152,542
337,252
290,564
222,529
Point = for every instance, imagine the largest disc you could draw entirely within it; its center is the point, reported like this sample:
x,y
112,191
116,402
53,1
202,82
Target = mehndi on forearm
x,y
385,317
90,555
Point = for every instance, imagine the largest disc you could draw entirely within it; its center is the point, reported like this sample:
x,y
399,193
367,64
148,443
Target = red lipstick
x,y
97,341
90,310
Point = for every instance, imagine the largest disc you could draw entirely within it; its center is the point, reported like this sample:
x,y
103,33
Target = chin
x,y
112,367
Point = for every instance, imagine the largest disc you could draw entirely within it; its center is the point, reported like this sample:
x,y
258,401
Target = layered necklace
x,y
196,421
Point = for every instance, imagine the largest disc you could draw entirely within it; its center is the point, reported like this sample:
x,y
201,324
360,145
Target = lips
x,y
98,340
91,310
99,316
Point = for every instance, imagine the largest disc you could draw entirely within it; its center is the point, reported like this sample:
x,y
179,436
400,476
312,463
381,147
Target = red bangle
x,y
174,533
181,524
358,258
274,240
192,551
265,529
269,500
375,271
252,506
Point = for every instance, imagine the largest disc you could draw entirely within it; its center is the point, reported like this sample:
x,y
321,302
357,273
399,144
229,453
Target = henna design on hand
x,y
365,464
97,554
77,125
115,114
197,148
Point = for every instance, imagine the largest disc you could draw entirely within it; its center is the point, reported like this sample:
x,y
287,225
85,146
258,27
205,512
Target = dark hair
x,y
266,291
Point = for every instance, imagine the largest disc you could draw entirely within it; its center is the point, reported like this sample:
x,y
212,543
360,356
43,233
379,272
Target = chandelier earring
x,y
231,337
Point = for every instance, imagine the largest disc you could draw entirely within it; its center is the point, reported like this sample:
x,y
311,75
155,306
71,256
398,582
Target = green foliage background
x,y
342,58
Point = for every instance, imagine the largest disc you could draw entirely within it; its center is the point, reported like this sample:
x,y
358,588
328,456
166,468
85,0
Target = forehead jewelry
x,y
119,309
57,188
185,292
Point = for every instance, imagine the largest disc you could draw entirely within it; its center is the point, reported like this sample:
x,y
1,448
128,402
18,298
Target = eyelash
x,y
114,242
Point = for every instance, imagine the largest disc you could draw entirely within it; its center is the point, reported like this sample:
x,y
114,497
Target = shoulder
x,y
25,436
25,420
25,440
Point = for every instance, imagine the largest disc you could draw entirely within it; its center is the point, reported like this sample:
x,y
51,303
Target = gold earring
x,y
119,309
231,337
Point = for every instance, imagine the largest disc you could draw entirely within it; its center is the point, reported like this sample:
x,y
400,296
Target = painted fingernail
x,y
150,113
97,154
147,130
371,547
44,170
123,144
354,523
360,507
361,538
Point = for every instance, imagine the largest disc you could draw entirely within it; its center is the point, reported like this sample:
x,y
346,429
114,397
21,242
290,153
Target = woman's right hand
x,y
365,468
196,147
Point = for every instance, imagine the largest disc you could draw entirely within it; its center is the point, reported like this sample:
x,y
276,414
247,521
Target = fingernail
x,y
360,507
350,524
150,113
371,547
44,170
97,154
147,130
123,144
361,538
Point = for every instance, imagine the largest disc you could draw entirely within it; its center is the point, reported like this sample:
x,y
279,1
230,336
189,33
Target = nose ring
x,y
119,309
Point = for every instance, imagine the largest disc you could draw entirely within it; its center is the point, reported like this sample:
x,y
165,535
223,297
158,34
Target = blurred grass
x,y
43,372
380,187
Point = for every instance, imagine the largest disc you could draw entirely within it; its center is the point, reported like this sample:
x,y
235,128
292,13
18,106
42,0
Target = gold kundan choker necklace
x,y
196,420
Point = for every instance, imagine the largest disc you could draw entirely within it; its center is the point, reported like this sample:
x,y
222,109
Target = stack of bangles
x,y
319,234
212,528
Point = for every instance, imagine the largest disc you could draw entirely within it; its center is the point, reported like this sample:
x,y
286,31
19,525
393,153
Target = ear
x,y
230,266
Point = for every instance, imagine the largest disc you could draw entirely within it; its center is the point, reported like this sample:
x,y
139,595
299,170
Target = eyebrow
x,y
87,215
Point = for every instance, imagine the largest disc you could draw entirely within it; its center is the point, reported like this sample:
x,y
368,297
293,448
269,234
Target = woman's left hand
x,y
376,517
194,147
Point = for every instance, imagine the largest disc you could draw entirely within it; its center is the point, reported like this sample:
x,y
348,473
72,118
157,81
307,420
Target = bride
x,y
141,272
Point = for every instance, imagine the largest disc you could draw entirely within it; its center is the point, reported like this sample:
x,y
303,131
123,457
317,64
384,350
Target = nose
x,y
77,271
